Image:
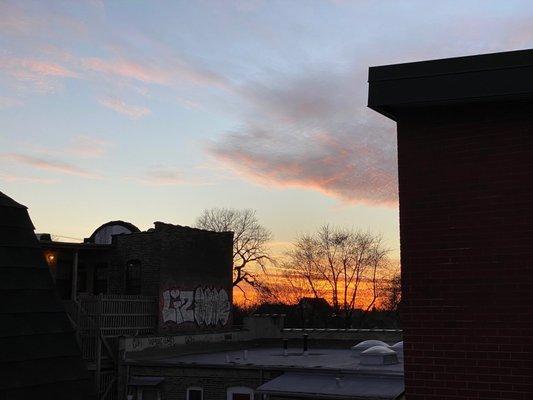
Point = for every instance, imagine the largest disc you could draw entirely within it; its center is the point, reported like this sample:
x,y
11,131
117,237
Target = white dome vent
x,y
398,348
366,344
379,355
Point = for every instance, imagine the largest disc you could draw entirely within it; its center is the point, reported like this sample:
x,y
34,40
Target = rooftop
x,y
332,386
481,78
320,358
322,372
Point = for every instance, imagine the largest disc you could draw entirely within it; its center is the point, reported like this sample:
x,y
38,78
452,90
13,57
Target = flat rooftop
x,y
269,357
481,78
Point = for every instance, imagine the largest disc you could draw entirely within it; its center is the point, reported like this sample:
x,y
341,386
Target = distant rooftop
x,y
333,386
320,358
323,372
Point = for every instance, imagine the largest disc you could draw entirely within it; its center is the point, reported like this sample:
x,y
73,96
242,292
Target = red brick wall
x,y
466,223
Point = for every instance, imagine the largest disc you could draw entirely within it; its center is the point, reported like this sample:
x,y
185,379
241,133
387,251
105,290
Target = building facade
x,y
188,270
123,282
465,148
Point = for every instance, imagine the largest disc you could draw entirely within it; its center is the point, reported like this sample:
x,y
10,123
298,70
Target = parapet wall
x,y
258,331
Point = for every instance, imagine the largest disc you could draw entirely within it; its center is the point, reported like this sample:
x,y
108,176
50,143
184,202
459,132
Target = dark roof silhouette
x,y
39,354
129,226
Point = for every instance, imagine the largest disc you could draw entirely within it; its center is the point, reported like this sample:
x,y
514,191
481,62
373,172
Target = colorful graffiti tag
x,y
203,306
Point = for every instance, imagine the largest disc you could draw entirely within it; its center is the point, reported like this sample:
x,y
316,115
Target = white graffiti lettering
x,y
205,306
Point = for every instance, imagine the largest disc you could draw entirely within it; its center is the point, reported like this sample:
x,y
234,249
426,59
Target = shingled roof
x,y
39,354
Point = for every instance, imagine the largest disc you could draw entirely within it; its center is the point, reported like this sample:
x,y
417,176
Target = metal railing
x,y
99,321
122,314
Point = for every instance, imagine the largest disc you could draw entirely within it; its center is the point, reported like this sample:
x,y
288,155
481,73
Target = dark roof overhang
x,y
482,78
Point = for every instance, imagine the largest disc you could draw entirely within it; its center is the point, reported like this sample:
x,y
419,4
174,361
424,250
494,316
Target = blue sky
x,y
148,111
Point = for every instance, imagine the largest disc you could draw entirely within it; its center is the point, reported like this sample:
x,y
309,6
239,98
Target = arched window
x,y
195,393
133,277
240,393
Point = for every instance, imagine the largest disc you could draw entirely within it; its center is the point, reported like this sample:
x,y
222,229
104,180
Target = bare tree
x,y
250,241
392,293
345,264
286,286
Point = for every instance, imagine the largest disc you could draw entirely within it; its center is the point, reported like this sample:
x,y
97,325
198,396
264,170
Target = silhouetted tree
x,y
345,264
392,293
250,241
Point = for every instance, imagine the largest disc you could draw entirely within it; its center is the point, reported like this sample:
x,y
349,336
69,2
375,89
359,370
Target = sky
x,y
153,111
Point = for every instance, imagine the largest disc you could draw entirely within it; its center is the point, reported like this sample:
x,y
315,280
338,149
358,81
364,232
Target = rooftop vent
x,y
366,344
398,348
379,355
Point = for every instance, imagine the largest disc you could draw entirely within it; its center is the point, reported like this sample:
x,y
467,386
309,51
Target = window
x,y
100,278
150,394
195,393
240,393
82,278
133,277
143,393
241,396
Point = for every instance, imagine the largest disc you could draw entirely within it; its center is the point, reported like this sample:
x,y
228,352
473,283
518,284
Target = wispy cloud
x,y
130,110
26,179
159,176
126,69
25,19
50,165
165,69
87,146
310,133
42,75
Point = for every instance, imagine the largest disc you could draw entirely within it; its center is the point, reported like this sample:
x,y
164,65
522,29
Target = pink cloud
x,y
312,132
50,165
42,75
170,71
87,146
42,68
126,69
338,166
17,178
25,19
132,111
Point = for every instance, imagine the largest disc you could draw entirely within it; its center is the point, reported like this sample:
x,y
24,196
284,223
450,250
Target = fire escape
x,y
99,321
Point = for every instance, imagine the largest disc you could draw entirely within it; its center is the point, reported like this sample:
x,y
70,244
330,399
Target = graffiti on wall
x,y
203,306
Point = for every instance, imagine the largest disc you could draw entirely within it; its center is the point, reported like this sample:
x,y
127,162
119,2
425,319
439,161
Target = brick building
x,y
188,270
465,155
123,282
